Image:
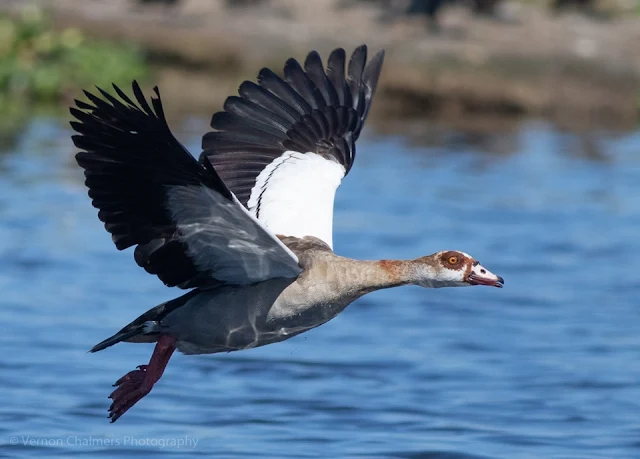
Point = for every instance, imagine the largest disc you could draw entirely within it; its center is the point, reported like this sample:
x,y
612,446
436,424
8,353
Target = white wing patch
x,y
293,195
224,237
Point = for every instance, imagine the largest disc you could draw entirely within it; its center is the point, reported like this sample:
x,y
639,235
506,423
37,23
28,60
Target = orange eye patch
x,y
453,260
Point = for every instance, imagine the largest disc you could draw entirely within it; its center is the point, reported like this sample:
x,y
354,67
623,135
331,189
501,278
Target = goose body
x,y
247,228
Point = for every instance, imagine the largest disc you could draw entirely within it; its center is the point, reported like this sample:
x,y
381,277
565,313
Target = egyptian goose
x,y
247,228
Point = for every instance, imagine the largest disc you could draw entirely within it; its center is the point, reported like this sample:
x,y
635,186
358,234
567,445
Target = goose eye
x,y
453,260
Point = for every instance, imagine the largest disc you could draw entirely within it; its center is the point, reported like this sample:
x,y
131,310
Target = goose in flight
x,y
247,228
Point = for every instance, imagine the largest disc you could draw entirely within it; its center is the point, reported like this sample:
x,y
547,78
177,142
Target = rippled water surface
x,y
548,367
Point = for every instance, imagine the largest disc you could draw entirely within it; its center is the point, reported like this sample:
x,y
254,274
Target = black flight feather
x,y
130,159
310,110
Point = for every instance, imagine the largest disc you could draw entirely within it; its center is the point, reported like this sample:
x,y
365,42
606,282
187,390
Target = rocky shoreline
x,y
573,70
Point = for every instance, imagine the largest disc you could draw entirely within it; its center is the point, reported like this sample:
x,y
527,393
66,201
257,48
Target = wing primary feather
x,y
370,78
282,89
157,107
122,95
137,92
300,81
114,102
322,123
101,105
83,105
227,121
354,78
335,73
258,95
315,71
250,110
212,139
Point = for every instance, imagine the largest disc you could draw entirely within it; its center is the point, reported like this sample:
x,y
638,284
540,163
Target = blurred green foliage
x,y
39,64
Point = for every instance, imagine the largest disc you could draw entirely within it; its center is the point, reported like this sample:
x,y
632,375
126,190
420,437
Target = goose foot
x,y
137,383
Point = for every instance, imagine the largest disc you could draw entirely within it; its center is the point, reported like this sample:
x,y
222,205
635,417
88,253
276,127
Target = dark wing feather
x,y
335,73
262,97
315,71
356,69
140,178
298,79
310,110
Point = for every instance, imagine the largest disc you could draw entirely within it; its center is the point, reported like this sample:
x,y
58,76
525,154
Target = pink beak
x,y
479,275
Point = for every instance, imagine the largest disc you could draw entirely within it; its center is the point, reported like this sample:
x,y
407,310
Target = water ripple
x,y
547,367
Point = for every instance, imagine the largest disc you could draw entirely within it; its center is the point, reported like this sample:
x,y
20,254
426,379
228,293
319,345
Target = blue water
x,y
548,367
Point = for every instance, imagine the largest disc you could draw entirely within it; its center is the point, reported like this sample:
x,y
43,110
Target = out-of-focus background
x,y
505,128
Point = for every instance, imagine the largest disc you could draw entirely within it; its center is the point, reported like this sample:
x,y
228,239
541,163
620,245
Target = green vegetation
x,y
39,64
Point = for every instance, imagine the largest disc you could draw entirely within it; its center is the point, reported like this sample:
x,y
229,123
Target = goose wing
x,y
283,146
188,227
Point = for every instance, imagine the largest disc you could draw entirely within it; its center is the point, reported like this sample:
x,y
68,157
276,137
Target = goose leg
x,y
138,383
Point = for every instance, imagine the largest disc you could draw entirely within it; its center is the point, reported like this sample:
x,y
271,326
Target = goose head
x,y
451,268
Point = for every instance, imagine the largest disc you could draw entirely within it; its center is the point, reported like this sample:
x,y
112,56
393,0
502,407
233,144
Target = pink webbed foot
x,y
132,376
137,383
